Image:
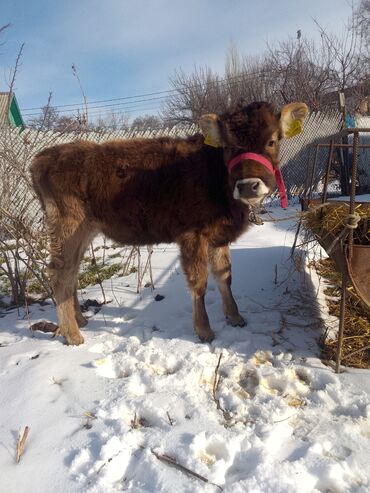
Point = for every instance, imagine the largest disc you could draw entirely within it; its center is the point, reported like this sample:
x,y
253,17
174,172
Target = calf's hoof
x,y
81,321
205,335
237,321
74,339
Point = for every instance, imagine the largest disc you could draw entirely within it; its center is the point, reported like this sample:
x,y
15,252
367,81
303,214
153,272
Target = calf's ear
x,y
210,127
291,118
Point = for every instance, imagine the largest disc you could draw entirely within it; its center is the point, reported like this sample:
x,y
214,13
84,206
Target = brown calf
x,y
148,191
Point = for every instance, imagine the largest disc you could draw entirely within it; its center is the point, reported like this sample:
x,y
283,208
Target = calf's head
x,y
250,137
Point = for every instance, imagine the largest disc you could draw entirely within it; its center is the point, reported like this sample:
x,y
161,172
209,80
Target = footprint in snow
x,y
142,361
240,384
215,453
110,368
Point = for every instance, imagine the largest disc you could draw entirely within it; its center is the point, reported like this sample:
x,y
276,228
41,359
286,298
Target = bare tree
x,y
46,120
82,117
293,69
50,120
348,55
112,121
147,122
300,70
246,78
194,94
2,29
65,124
362,24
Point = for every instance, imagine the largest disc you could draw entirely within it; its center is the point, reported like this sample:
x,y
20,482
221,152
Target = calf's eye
x,y
271,143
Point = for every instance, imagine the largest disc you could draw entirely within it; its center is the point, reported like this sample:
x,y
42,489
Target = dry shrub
x,y
24,240
23,243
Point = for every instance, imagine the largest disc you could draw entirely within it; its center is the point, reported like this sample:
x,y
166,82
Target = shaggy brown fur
x,y
148,191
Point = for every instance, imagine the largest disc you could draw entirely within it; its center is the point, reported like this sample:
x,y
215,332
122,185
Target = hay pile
x,y
330,219
356,339
326,224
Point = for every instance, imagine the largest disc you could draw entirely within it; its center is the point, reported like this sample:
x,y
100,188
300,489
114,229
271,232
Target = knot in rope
x,y
352,223
353,220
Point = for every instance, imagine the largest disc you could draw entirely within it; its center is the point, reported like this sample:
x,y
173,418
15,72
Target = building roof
x,y
13,116
3,107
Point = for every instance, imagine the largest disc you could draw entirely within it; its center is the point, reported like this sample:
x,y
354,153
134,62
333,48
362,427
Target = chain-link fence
x,y
17,150
23,243
297,154
364,155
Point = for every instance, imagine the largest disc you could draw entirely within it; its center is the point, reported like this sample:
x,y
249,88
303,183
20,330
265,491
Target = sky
x,y
127,48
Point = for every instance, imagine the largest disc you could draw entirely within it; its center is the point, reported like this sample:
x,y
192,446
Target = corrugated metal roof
x,y
4,97
9,111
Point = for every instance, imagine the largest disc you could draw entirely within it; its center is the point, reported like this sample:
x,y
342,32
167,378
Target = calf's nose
x,y
250,188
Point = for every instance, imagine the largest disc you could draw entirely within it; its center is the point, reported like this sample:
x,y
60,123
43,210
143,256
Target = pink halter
x,y
266,163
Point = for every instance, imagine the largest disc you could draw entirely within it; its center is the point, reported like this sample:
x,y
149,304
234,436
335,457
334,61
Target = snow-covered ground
x,y
358,198
102,415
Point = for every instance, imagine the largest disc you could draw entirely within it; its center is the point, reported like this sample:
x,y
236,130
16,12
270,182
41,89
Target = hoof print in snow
x,y
158,297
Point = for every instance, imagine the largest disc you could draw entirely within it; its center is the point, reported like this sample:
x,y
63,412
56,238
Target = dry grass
x,y
331,219
21,443
329,222
356,323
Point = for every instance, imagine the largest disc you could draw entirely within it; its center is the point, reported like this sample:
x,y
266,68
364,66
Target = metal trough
x,y
351,260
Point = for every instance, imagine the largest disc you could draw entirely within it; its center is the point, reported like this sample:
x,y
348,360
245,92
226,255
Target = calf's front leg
x,y
220,262
68,240
194,256
80,319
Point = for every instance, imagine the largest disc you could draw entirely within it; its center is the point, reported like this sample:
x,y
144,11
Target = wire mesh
x,y
297,156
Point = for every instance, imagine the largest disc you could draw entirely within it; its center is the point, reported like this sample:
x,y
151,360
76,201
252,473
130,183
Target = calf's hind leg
x,y
81,320
194,253
68,239
220,262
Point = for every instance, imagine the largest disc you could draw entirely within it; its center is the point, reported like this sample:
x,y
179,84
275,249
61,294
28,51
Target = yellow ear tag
x,y
209,141
293,129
